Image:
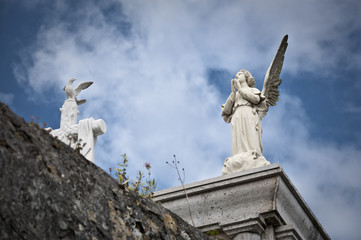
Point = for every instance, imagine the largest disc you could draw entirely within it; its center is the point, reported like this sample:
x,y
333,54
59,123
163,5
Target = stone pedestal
x,y
82,135
257,204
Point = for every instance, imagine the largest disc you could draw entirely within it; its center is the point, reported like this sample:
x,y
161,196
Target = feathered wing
x,y
272,79
82,86
79,102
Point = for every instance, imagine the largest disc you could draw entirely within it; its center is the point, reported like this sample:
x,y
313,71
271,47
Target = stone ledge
x,y
219,182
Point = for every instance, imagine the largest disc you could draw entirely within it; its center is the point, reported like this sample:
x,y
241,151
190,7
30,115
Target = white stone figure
x,y
245,108
72,93
82,135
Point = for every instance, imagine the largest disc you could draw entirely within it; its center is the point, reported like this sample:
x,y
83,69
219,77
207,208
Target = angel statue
x,y
245,108
80,135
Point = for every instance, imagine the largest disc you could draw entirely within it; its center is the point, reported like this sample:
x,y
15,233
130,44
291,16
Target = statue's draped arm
x,y
227,108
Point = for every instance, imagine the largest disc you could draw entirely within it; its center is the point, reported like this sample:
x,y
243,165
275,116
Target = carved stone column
x,y
69,113
88,131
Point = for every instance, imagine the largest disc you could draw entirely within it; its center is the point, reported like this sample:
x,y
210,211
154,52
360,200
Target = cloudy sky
x,y
162,69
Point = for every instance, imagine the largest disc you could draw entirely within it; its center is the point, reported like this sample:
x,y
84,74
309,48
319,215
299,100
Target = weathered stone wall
x,y
49,191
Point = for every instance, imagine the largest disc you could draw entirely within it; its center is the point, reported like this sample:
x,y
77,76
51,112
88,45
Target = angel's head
x,y
249,78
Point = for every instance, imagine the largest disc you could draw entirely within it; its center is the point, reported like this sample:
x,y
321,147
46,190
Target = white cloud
x,y
151,88
327,175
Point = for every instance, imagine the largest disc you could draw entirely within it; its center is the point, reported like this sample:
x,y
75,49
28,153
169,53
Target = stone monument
x,y
245,108
253,200
82,135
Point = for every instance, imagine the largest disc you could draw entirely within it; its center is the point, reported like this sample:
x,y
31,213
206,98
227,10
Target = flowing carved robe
x,y
241,110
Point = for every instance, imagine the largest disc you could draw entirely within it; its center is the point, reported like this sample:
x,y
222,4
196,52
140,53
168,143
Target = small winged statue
x,y
245,108
72,93
80,135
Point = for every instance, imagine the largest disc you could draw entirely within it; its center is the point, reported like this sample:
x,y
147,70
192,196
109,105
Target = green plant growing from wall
x,y
143,185
175,165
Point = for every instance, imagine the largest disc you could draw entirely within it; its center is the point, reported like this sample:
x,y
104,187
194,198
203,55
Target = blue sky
x,y
162,69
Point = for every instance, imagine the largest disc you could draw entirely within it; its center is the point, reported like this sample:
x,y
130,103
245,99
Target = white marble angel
x,y
80,135
245,108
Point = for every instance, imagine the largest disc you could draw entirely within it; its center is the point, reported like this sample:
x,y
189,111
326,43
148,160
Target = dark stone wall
x,y
49,191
